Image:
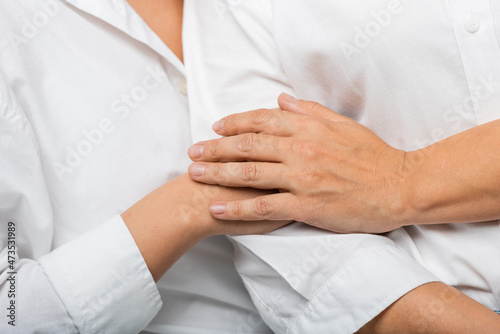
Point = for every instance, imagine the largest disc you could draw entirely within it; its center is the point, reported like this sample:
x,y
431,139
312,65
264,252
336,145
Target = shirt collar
x,y
122,16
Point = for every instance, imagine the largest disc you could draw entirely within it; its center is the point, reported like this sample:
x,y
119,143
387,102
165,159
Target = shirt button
x,y
472,23
182,87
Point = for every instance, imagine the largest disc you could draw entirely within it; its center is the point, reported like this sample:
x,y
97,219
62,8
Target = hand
x,y
191,201
332,172
174,217
184,202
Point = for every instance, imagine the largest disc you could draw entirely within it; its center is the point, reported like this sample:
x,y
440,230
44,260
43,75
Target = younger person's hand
x,y
174,217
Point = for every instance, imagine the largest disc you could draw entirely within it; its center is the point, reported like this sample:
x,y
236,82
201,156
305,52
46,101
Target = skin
x,y
434,309
164,17
336,174
316,156
326,179
174,217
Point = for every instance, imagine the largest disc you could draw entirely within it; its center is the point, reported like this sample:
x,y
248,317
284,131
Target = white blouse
x,y
414,72
96,112
94,116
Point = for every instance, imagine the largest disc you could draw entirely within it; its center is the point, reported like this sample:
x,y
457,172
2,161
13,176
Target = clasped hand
x,y
331,172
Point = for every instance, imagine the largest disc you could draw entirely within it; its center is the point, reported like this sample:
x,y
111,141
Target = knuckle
x,y
231,171
216,172
263,207
249,172
248,143
315,106
236,209
312,106
213,148
273,120
280,121
262,116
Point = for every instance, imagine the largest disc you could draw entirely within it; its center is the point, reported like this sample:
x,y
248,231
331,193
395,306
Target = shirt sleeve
x,y
305,280
97,283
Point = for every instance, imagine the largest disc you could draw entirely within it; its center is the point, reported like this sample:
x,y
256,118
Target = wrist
x,y
400,193
410,209
162,231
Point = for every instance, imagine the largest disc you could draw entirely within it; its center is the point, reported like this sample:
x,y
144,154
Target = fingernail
x,y
196,151
218,209
218,125
289,98
196,169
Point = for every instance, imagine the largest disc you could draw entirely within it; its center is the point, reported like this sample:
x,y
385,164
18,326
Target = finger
x,y
248,146
289,103
268,121
280,206
260,175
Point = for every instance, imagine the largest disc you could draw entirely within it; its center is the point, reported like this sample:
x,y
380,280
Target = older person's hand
x,y
332,172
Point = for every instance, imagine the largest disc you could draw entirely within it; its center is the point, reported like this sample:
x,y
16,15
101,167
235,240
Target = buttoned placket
x,y
477,42
479,47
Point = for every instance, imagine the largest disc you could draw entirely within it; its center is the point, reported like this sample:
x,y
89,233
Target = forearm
x,y
434,308
169,221
321,282
160,247
163,228
455,180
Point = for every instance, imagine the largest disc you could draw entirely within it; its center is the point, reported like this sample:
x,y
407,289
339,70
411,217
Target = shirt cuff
x,y
103,281
305,280
361,291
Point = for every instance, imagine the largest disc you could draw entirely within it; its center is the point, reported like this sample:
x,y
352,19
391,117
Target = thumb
x,y
290,103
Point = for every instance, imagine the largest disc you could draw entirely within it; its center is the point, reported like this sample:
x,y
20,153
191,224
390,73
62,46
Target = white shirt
x,y
414,72
94,118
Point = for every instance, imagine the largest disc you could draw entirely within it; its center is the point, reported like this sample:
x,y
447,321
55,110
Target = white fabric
x,y
414,72
91,120
95,118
